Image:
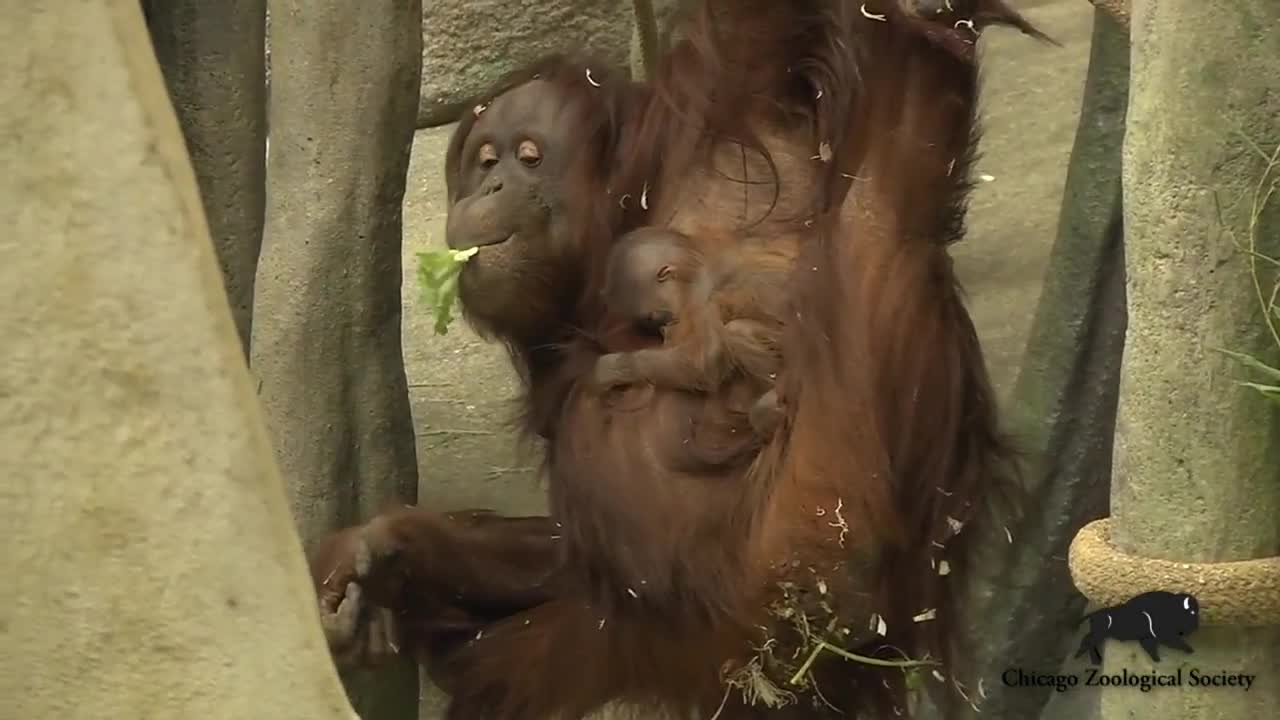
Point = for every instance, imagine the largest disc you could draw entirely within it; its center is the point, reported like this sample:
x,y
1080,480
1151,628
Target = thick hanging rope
x,y
1243,593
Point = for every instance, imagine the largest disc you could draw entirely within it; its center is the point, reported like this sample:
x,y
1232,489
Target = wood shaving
x,y
841,524
871,15
878,625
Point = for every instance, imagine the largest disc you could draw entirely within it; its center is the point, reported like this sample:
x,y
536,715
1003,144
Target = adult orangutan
x,y
688,566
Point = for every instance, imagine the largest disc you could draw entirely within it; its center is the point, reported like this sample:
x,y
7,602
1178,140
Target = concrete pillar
x,y
1197,461
213,59
150,563
326,344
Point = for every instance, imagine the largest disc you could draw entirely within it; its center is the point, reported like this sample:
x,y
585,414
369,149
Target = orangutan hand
x,y
613,370
344,565
359,634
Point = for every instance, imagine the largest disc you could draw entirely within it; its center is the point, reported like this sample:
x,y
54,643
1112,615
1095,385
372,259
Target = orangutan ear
x,y
664,273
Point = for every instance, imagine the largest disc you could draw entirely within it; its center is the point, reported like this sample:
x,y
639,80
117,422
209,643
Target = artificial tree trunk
x,y
645,46
326,336
212,56
151,566
1063,404
1197,462
653,31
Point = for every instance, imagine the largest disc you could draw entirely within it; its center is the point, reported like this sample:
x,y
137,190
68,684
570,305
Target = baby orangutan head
x,y
650,277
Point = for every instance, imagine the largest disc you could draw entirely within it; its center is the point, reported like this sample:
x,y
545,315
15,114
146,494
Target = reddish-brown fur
x,y
676,525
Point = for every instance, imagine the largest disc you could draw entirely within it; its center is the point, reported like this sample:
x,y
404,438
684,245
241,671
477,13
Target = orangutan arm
x,y
698,362
434,572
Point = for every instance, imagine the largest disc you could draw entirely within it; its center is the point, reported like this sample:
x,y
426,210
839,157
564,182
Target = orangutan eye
x,y
664,273
529,154
488,156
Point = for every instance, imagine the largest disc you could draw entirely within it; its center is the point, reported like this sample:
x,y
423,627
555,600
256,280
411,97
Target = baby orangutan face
x,y
649,278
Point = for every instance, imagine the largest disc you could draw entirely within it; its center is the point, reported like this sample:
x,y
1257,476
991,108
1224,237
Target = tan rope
x,y
1244,593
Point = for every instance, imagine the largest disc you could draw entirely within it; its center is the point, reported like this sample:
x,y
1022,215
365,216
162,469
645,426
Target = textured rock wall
x,y
469,44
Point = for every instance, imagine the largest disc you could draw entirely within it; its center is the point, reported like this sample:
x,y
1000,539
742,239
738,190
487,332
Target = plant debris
x,y
878,625
776,677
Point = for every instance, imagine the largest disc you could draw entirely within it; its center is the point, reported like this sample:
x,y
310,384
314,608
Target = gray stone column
x,y
1197,460
151,566
212,55
327,333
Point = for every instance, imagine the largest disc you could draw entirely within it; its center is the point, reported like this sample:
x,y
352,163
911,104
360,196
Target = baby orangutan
x,y
720,319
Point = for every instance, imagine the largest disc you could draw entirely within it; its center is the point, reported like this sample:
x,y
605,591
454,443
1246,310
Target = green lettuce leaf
x,y
438,272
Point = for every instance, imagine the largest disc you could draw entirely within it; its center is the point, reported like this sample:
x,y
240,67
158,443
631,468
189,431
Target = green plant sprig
x,y
1266,187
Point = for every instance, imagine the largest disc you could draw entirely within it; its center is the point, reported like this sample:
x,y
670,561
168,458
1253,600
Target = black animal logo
x,y
1153,619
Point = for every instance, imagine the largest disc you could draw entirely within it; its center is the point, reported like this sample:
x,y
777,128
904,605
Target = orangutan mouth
x,y
492,241
501,240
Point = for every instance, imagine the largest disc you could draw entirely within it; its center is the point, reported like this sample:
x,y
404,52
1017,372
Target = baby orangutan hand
x,y
613,370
